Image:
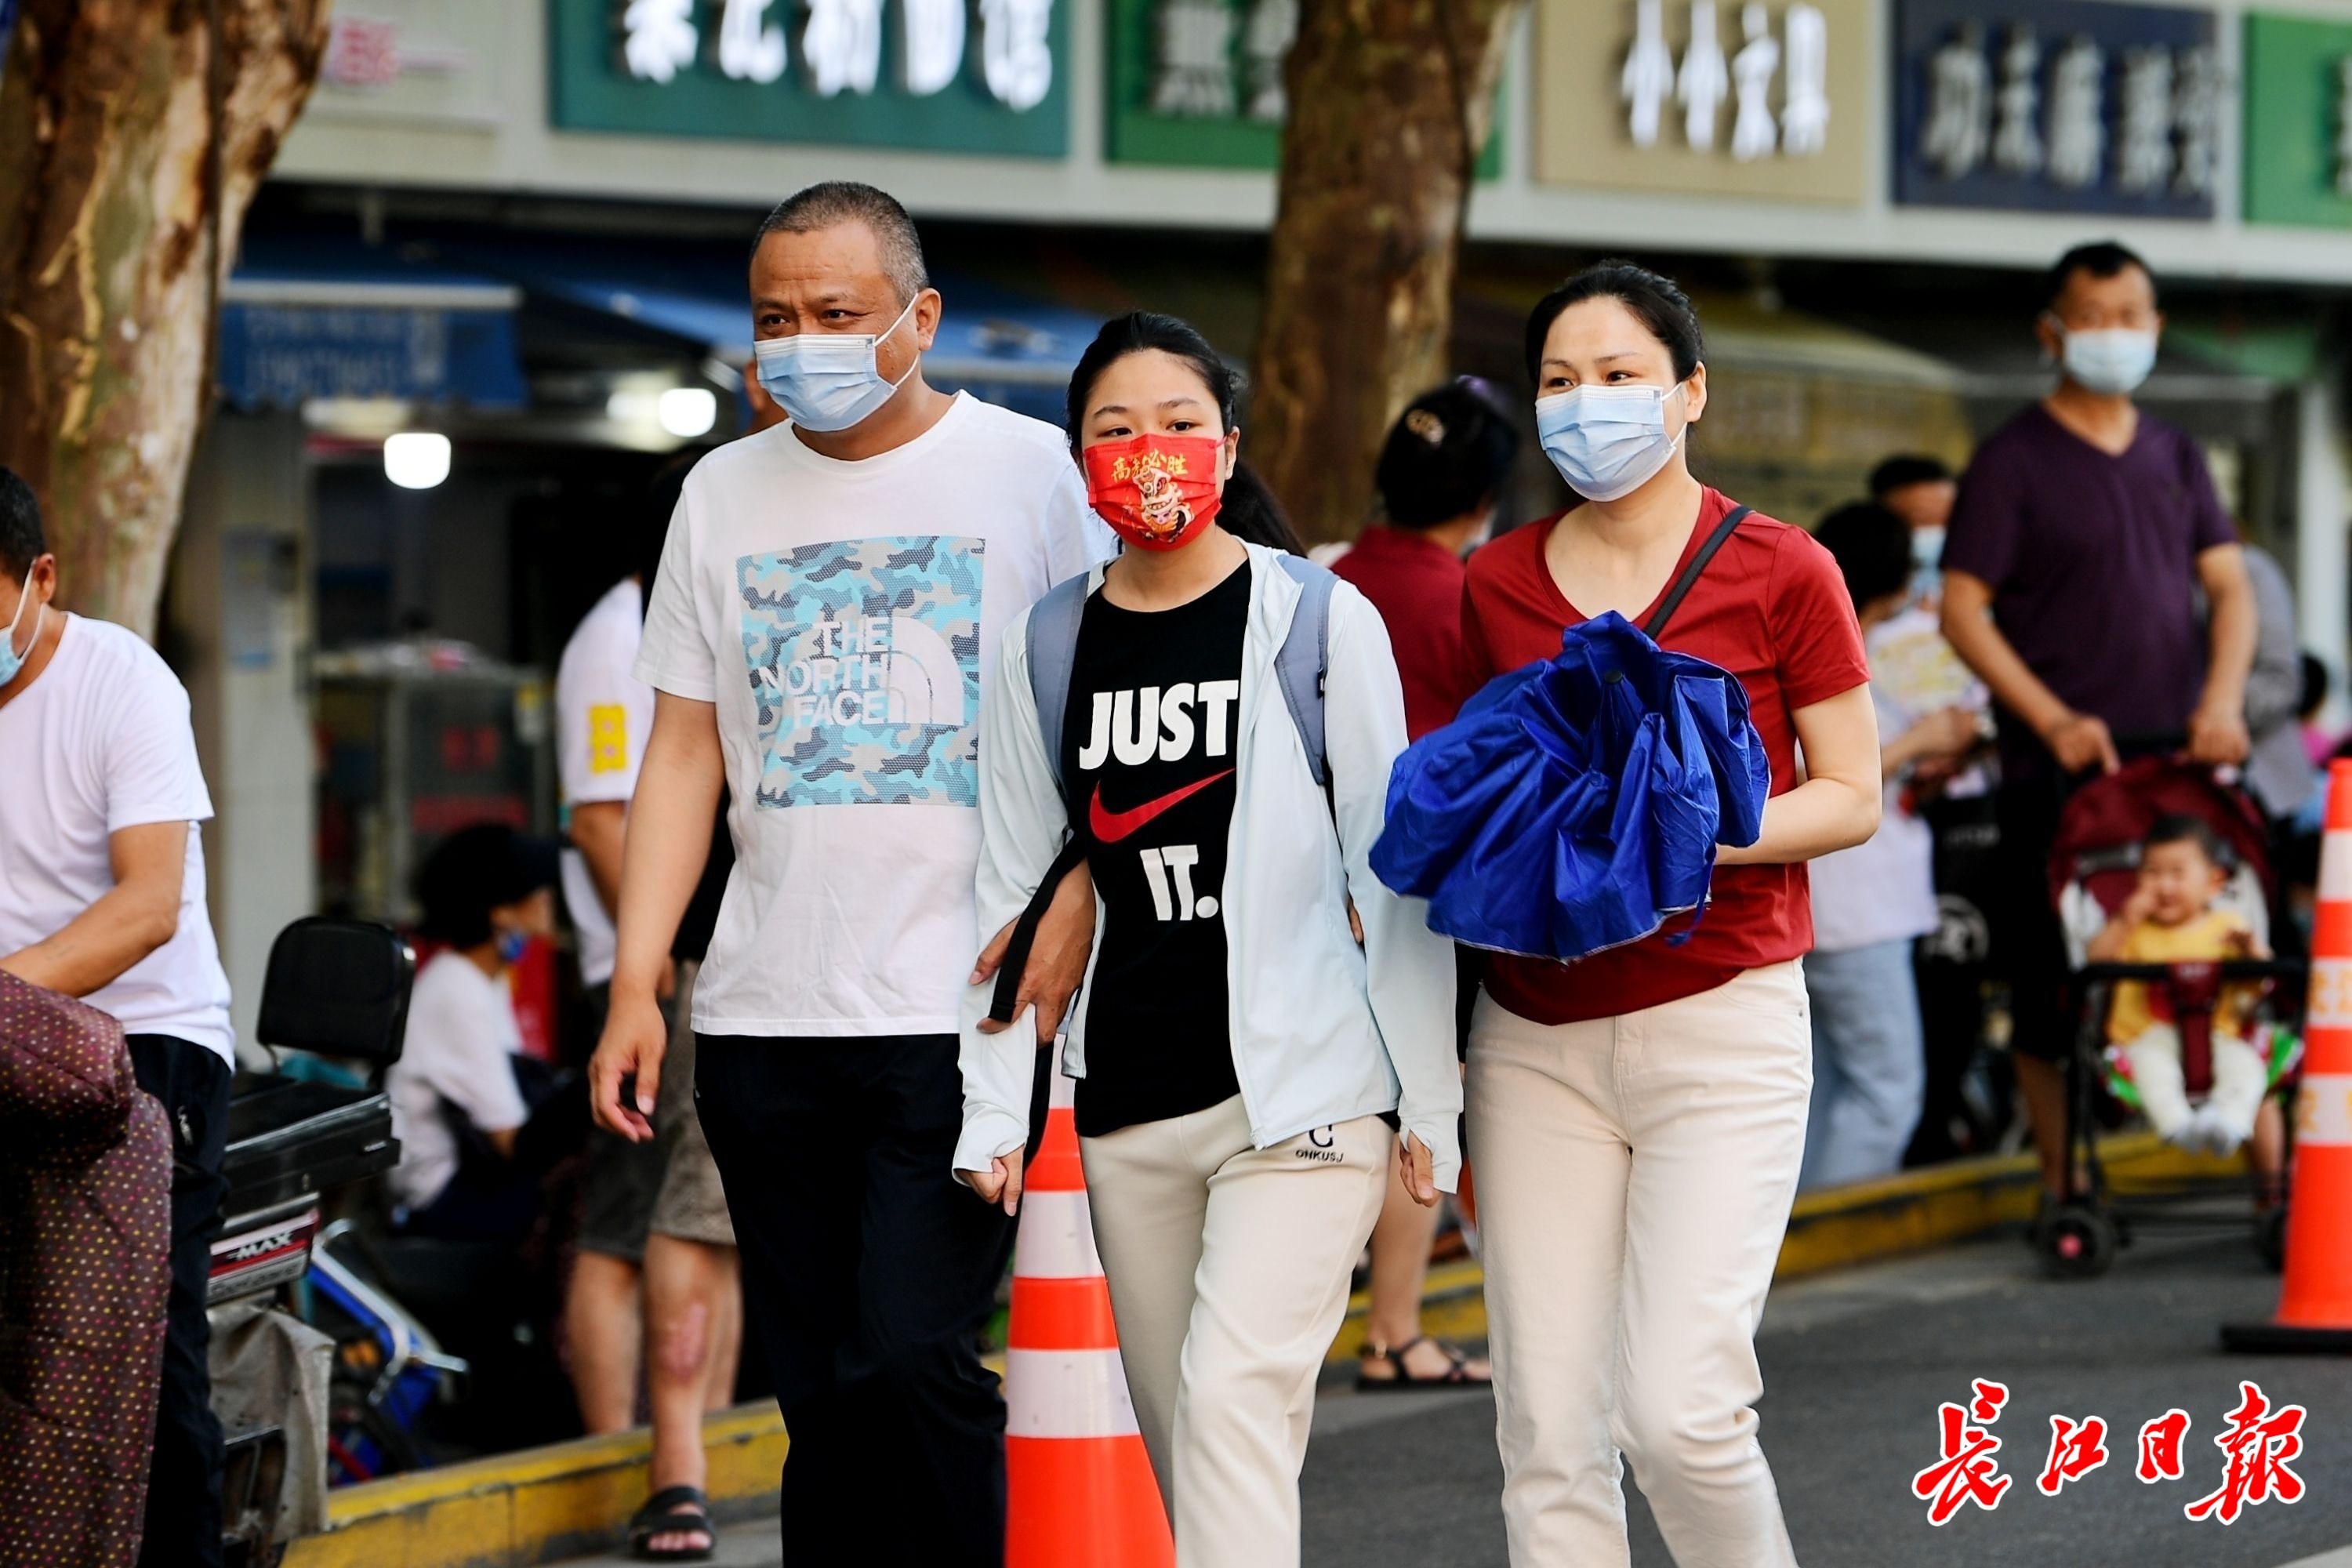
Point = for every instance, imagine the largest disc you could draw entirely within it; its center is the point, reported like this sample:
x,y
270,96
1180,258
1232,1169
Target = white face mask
x,y
2110,360
828,381
11,661
1607,441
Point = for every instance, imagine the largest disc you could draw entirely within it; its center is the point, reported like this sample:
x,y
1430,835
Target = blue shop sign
x,y
2057,106
279,356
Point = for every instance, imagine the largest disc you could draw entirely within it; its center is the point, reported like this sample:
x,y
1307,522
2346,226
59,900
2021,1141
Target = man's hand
x,y
1001,1183
2080,742
2217,733
1417,1168
1057,959
635,1040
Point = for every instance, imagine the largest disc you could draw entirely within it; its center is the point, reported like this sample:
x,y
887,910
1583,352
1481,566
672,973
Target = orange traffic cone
x,y
1079,1489
2316,1300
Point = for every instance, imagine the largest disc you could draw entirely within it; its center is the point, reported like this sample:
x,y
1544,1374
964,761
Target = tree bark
x,y
133,136
1390,101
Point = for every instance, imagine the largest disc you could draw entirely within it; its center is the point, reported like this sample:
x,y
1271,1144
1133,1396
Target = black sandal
x,y
673,1511
1455,1375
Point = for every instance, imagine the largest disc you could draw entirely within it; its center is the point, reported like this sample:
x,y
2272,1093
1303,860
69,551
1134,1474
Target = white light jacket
x,y
1323,1031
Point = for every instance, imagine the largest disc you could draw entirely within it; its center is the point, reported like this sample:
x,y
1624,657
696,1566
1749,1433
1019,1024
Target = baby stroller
x,y
2093,864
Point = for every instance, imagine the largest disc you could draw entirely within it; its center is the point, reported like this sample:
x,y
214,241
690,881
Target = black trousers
x,y
867,1274
184,1507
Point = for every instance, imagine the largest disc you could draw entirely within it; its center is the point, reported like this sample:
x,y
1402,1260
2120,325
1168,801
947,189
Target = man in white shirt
x,y
827,607
602,717
102,896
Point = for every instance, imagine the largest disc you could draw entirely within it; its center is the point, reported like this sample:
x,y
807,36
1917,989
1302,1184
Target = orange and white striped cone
x,y
2314,1310
1079,1488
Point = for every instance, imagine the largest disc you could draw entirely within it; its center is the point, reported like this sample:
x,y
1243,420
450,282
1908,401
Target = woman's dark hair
x,y
1655,298
1905,469
1446,455
1249,511
1872,547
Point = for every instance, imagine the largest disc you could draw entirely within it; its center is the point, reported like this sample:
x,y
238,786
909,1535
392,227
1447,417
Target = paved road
x,y
1854,1365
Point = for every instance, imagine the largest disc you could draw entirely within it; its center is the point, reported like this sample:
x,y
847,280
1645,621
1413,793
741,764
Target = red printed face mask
x,y
1156,492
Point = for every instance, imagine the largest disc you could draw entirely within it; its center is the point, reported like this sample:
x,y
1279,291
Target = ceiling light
x,y
416,459
687,411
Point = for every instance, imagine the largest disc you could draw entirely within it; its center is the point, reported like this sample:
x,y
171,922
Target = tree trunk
x,y
132,135
1390,101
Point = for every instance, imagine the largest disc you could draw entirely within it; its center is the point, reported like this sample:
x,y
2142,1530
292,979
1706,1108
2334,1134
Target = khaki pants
x,y
1228,1270
1635,1175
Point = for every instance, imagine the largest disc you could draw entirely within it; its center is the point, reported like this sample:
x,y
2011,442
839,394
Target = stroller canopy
x,y
1575,804
2100,831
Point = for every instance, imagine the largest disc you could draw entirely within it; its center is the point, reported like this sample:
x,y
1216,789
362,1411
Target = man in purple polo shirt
x,y
2084,530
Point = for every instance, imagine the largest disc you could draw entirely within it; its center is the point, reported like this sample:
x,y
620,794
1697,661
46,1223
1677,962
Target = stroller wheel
x,y
2077,1242
2270,1236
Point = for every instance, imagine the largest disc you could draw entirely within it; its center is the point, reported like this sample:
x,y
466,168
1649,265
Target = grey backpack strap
x,y
1052,649
1304,659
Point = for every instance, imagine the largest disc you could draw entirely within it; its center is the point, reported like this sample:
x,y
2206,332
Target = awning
x,y
1006,347
315,318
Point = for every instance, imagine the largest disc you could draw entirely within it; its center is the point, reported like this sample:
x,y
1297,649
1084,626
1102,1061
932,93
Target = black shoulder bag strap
x,y
1655,627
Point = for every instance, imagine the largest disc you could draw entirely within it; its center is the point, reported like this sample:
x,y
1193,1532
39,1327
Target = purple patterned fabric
x,y
84,1230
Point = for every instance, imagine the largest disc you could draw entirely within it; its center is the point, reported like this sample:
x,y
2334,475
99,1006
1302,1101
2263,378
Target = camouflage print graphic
x,y
863,659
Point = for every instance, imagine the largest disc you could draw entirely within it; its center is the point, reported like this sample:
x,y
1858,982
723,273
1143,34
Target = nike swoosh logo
x,y
1110,827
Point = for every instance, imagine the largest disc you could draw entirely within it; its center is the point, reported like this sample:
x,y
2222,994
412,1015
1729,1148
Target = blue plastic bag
x,y
1575,803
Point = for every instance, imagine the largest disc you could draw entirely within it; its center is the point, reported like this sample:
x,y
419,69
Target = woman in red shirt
x,y
1638,1117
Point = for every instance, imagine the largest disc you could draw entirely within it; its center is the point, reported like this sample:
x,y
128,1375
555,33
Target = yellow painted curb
x,y
512,1509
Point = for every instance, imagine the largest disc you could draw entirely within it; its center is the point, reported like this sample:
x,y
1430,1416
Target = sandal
x,y
1457,1374
673,1511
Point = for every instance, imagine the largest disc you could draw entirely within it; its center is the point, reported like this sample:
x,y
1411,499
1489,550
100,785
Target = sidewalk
x,y
750,1544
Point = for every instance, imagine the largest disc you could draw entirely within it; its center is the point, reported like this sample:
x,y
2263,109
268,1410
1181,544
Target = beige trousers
x,y
1228,1270
1635,1175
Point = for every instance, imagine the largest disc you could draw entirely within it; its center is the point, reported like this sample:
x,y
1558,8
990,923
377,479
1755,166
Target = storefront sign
x,y
2057,106
949,75
1705,96
2298,73
281,355
1199,83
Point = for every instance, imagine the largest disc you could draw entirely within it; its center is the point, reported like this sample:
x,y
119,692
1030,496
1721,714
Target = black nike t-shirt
x,y
1148,746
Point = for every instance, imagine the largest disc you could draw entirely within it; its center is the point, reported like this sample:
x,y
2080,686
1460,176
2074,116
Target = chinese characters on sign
x,y
1215,62
2058,105
1705,79
841,43
1749,98
2257,1440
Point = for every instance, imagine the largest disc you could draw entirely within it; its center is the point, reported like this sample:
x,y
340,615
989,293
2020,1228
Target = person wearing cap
x,y
102,898
487,889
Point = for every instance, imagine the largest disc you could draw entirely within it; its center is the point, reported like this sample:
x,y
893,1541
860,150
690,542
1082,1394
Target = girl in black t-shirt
x,y
1259,1010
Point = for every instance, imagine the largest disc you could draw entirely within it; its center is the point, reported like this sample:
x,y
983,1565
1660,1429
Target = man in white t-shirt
x,y
603,714
102,896
825,616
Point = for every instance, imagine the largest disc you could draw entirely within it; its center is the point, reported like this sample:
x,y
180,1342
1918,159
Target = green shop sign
x,y
2298,75
1199,84
950,75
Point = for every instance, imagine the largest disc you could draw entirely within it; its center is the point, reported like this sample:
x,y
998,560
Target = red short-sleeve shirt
x,y
1772,609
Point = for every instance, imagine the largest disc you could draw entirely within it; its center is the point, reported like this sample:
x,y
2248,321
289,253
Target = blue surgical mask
x,y
1607,441
511,945
2111,360
11,661
828,381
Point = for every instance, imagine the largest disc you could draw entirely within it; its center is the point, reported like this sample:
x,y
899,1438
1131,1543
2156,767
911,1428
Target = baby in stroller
x,y
2171,918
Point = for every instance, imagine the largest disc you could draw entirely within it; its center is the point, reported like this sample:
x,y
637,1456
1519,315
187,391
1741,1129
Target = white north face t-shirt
x,y
603,715
843,618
